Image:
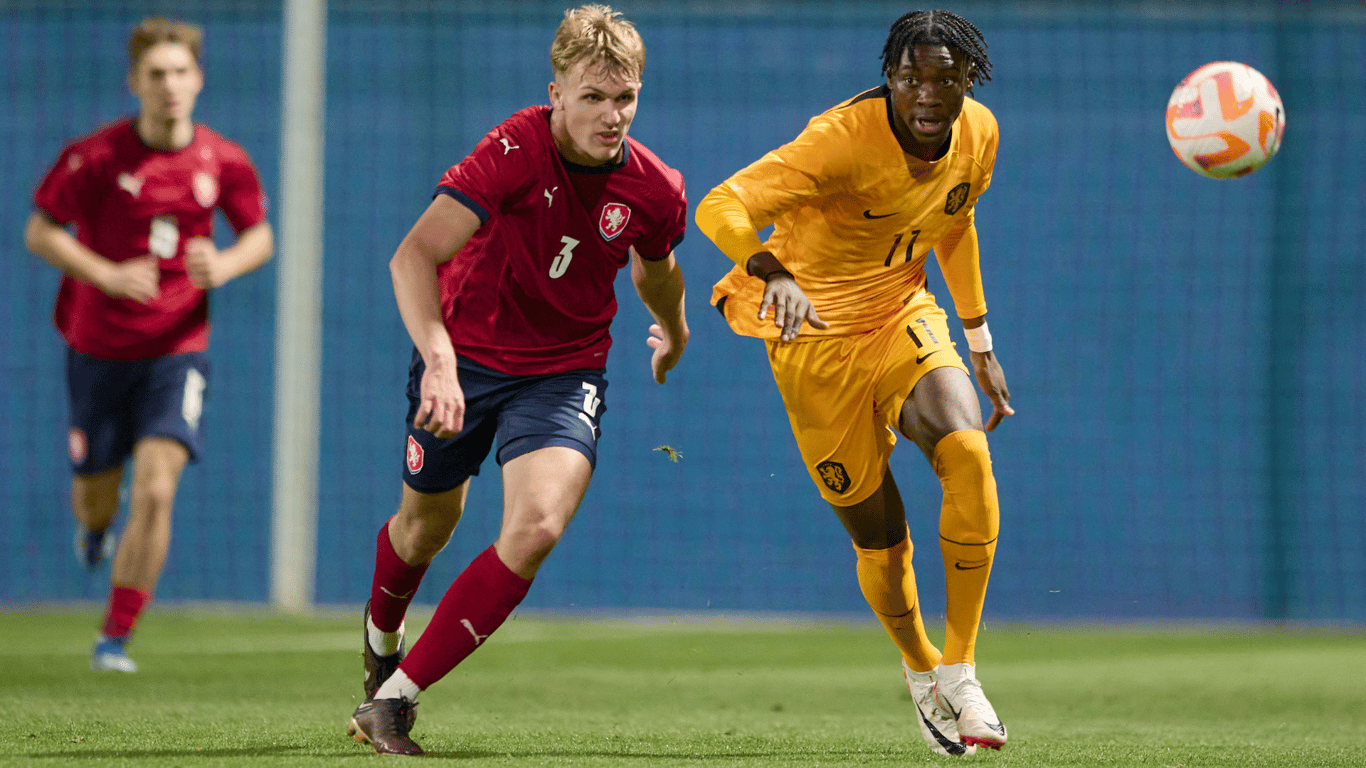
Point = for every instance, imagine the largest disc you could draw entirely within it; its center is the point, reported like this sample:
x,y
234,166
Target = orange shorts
x,y
844,394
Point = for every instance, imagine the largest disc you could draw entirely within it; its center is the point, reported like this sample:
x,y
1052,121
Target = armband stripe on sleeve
x,y
466,201
672,245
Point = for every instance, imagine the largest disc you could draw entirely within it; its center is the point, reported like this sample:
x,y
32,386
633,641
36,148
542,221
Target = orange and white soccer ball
x,y
1225,120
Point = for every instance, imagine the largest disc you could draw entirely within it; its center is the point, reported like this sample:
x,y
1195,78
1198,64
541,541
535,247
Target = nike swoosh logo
x,y
997,727
950,746
955,712
868,214
962,567
403,596
918,360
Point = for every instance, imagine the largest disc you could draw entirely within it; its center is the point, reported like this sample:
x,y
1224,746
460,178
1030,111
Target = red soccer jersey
x,y
128,200
532,290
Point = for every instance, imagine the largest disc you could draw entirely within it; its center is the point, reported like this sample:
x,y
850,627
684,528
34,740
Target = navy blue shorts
x,y
524,414
116,403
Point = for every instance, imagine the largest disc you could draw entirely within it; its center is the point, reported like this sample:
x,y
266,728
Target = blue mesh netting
x,y
1183,353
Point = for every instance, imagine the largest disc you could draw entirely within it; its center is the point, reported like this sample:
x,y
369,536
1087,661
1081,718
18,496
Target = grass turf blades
x,y
258,689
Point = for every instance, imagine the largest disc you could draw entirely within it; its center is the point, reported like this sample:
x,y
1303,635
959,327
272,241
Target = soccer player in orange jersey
x,y
860,349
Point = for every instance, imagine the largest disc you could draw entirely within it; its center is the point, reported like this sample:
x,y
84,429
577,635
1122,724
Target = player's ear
x,y
554,93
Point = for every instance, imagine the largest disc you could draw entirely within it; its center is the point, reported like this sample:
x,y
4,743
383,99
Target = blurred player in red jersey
x,y
505,285
133,304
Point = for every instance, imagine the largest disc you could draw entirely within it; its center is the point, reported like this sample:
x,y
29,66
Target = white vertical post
x,y
298,308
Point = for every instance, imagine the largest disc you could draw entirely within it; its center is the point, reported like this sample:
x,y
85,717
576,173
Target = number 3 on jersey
x,y
561,262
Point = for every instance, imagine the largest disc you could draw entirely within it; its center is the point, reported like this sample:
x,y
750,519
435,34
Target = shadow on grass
x,y
789,758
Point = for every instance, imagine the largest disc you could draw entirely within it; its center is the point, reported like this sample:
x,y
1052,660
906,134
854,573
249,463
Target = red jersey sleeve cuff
x,y
466,201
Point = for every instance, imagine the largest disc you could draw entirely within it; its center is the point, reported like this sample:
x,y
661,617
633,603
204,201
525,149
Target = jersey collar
x,y
573,167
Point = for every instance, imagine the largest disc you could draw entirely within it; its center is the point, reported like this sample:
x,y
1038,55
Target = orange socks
x,y
888,585
968,524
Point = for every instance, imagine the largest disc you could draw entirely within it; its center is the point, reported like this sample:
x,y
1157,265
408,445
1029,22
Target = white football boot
x,y
938,727
958,693
110,655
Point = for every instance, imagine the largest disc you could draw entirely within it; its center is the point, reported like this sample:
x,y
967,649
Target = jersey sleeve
x,y
242,200
812,164
958,259
957,253
496,170
666,237
71,181
987,158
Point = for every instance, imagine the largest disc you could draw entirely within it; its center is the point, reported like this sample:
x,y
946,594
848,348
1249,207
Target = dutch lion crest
x,y
833,475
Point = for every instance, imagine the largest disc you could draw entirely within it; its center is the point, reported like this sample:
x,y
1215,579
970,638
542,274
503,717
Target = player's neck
x,y
167,135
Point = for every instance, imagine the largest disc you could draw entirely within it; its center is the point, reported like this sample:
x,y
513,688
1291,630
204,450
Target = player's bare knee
x,y
420,537
154,495
534,533
542,537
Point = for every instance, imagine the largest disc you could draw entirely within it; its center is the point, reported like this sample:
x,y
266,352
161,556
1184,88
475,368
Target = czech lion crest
x,y
613,220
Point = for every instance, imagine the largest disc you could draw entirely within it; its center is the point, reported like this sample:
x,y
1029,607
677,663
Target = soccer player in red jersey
x,y
505,285
133,304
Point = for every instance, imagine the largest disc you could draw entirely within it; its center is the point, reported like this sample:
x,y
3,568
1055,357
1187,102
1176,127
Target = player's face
x,y
927,95
167,81
593,108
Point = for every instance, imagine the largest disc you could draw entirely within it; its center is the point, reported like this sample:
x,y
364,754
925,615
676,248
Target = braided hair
x,y
942,28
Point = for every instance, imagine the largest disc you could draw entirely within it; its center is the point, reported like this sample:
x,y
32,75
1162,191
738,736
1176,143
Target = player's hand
x,y
992,380
791,306
137,279
442,410
667,352
202,264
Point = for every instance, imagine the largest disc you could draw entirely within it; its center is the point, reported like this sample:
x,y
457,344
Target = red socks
x,y
394,586
125,606
477,603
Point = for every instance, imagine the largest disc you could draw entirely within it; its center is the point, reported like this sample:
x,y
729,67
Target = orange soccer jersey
x,y
854,218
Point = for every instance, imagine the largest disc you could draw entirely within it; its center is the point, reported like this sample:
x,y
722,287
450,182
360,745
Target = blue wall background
x,y
1184,354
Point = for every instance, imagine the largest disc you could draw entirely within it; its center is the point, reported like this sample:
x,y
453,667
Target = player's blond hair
x,y
158,29
597,33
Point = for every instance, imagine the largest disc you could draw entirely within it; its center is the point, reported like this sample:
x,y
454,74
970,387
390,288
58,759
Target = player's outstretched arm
x,y
209,267
724,219
988,371
660,285
137,279
442,230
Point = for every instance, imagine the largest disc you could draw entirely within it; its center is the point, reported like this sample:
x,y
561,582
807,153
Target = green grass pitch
x,y
251,688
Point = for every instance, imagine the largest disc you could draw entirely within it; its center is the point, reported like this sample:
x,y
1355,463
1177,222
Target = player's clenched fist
x,y
137,279
202,263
